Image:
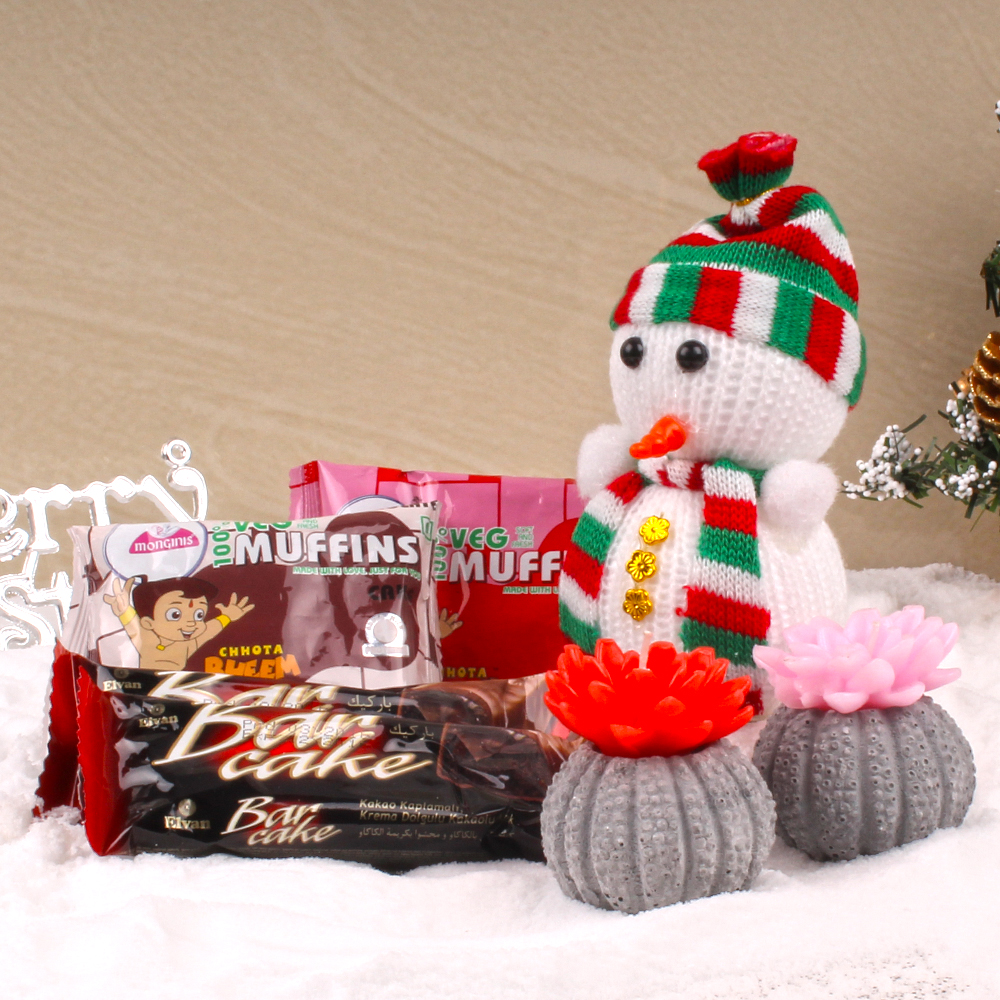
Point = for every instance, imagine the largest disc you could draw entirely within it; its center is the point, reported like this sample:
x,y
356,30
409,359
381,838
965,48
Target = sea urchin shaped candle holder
x,y
859,759
658,812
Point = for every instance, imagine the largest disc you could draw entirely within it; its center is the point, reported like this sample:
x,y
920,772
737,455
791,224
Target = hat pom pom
x,y
753,164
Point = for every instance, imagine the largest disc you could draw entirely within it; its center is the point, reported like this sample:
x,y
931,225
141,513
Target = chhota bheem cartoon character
x,y
165,619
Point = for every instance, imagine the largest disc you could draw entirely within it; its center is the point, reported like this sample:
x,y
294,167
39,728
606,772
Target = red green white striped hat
x,y
776,269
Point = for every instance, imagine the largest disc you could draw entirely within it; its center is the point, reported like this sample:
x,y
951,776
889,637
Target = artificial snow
x,y
918,921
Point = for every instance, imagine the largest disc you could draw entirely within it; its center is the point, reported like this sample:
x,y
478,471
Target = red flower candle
x,y
662,703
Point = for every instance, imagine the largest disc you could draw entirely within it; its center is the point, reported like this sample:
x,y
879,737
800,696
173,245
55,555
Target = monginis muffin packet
x,y
345,600
498,553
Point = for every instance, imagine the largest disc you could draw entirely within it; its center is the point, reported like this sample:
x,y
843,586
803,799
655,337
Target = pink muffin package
x,y
499,550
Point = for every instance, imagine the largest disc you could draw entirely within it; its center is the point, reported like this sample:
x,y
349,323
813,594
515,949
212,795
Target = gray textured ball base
x,y
631,835
862,783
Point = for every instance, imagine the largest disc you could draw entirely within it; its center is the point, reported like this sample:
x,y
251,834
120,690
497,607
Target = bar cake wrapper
x,y
289,770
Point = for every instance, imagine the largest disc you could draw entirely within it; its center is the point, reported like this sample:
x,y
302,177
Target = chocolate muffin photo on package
x,y
342,600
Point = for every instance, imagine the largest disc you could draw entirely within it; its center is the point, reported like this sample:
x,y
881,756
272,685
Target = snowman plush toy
x,y
736,358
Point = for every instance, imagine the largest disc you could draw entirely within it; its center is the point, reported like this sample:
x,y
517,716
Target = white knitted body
x,y
753,405
797,583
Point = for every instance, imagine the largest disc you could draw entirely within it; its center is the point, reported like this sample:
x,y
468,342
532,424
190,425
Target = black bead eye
x,y
692,355
632,352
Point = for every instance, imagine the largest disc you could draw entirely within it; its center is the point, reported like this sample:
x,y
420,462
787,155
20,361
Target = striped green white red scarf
x,y
725,603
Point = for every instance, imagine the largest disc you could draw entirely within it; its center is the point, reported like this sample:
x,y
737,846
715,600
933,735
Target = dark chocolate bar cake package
x,y
502,703
344,600
287,770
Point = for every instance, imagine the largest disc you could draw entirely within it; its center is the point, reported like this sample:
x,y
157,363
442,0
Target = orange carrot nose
x,y
666,435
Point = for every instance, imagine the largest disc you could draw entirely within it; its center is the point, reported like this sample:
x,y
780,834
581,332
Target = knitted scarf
x,y
725,605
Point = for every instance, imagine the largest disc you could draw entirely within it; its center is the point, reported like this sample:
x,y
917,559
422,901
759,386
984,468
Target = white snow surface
x,y
918,921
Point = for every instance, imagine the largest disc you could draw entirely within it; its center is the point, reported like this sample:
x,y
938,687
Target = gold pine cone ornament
x,y
984,382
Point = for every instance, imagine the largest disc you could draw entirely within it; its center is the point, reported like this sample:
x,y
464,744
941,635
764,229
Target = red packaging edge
x,y
103,803
57,782
306,478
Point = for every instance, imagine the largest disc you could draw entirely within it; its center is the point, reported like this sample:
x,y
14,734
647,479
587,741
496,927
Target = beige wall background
x,y
392,232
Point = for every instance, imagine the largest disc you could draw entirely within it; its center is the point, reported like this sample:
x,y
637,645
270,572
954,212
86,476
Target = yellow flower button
x,y
654,529
637,603
641,565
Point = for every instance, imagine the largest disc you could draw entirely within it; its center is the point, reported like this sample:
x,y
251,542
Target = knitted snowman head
x,y
744,328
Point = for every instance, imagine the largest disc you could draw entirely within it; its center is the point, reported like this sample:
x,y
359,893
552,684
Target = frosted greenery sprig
x,y
965,469
885,475
964,419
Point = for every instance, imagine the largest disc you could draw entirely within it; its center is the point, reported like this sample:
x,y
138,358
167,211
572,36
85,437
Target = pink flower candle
x,y
871,662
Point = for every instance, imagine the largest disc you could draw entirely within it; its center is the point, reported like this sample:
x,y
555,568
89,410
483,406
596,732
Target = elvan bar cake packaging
x,y
262,775
498,555
501,703
339,600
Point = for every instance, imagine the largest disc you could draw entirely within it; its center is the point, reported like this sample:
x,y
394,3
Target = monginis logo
x,y
154,541
156,551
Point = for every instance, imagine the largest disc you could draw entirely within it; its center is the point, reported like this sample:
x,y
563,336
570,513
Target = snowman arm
x,y
795,495
603,457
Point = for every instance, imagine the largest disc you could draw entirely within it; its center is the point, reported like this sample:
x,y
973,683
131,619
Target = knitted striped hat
x,y
775,270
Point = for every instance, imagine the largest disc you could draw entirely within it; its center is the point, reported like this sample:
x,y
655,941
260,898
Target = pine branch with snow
x,y
965,469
